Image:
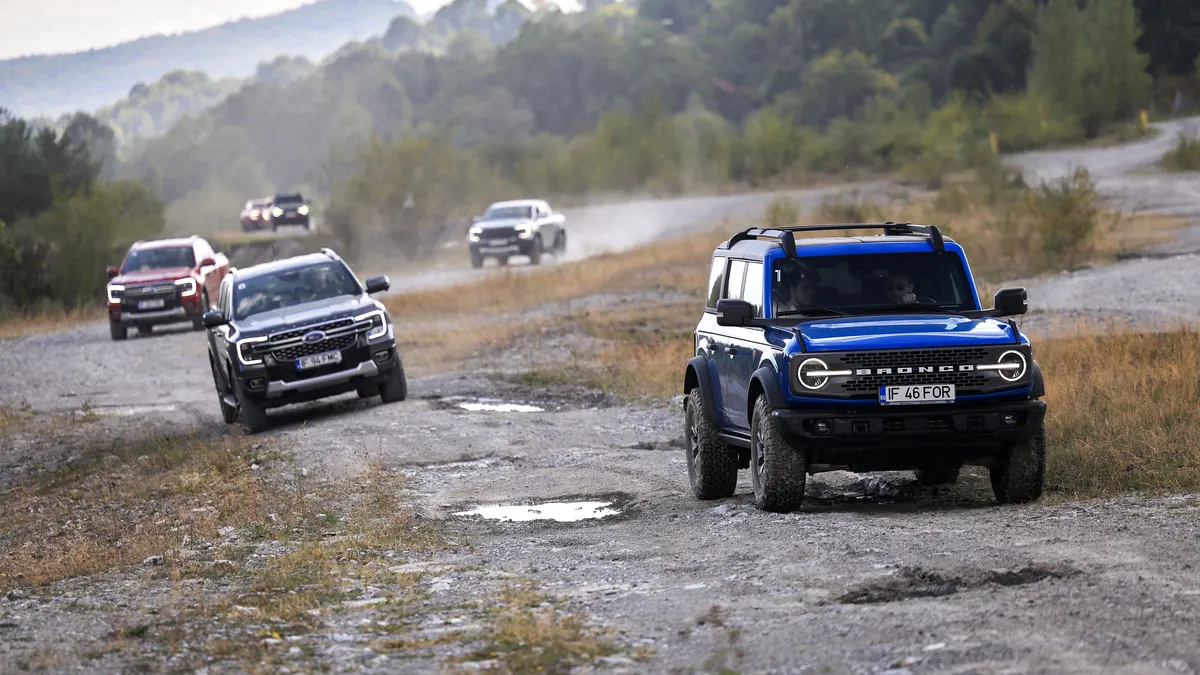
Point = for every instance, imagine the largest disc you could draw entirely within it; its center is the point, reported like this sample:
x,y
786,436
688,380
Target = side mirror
x,y
112,271
734,312
377,284
208,262
1011,302
214,318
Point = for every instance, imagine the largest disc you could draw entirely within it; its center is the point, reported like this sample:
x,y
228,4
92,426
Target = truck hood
x,y
502,222
286,318
150,276
903,332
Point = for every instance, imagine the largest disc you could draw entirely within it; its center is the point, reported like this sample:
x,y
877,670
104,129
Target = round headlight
x,y
808,365
1012,358
277,212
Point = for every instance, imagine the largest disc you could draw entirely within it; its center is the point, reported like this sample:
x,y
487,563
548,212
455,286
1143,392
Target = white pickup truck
x,y
527,227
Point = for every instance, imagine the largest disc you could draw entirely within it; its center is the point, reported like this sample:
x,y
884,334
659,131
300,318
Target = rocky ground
x,y
873,575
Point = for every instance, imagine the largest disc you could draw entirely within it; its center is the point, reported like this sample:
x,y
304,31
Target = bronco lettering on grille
x,y
908,370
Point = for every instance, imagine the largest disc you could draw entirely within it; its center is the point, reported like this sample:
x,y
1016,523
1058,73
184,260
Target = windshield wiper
x,y
812,311
914,308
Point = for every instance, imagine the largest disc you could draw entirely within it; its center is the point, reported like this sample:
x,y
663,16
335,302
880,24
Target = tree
x,y
1171,36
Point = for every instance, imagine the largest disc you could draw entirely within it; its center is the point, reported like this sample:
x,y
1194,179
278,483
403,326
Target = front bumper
x,y
282,384
510,246
189,310
287,221
910,437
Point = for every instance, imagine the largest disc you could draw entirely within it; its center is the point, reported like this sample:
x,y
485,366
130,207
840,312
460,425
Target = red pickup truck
x,y
163,281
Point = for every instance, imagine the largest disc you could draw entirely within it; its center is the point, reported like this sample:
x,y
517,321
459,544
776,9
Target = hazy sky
x,y
49,26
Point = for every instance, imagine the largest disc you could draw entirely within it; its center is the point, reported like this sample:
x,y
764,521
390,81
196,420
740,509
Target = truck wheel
x,y
476,260
395,387
228,412
712,465
368,392
777,470
535,255
1020,471
561,247
934,477
118,331
252,415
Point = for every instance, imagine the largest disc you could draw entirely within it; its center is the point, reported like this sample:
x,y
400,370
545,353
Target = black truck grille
x,y
915,358
132,295
498,233
296,351
300,332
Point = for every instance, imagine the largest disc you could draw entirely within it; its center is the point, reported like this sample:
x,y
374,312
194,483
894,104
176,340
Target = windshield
x,y
862,283
292,287
159,259
289,199
504,212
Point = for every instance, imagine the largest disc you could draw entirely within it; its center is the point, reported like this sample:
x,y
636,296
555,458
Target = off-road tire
x,y
778,471
934,477
395,387
145,330
1019,474
117,331
228,412
368,392
711,463
560,244
535,254
476,261
252,415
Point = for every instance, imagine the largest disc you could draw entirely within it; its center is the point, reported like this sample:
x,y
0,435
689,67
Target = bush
x,y
1185,156
782,212
1054,225
848,208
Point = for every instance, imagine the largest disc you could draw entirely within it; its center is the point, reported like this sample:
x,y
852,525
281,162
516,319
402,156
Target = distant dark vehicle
x,y
300,329
287,210
254,214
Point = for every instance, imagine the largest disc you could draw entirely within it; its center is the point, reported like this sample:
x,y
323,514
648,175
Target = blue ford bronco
x,y
863,353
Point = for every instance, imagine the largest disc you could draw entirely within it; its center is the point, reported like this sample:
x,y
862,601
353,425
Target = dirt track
x,y
873,574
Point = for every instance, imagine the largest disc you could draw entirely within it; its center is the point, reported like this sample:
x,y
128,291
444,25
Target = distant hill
x,y
35,86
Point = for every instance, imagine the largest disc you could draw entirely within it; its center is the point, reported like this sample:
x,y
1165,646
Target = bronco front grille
x,y
965,383
298,350
915,357
870,370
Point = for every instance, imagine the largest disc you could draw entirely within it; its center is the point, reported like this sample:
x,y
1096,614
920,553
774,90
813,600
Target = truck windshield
x,y
870,283
167,257
504,212
292,287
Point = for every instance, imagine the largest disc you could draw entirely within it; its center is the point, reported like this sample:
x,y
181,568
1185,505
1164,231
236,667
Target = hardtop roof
x,y
163,243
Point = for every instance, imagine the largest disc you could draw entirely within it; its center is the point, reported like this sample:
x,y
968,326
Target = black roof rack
x,y
785,236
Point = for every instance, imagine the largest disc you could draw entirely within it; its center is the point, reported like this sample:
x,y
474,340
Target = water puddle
x,y
563,512
501,407
126,410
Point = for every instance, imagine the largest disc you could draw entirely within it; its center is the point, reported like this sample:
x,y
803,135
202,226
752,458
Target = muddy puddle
x,y
563,512
498,405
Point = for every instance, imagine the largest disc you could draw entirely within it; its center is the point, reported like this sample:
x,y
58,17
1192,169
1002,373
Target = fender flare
x,y
768,380
1039,384
697,367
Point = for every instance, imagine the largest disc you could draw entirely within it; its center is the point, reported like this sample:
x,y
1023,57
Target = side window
x,y
737,274
223,295
716,280
753,291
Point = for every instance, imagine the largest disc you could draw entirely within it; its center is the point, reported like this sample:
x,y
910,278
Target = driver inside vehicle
x,y
900,289
799,293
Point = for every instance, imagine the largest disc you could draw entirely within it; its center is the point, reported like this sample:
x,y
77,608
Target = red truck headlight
x,y
189,286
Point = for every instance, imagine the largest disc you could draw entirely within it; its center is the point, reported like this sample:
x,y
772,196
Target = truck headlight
x,y
277,212
243,347
115,291
1011,366
525,230
303,210
814,374
475,233
378,323
189,286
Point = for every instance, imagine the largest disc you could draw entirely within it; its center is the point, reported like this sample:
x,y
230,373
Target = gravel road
x,y
874,575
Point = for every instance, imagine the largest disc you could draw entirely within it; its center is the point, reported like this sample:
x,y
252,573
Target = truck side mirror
x,y
112,271
734,312
208,262
1011,302
378,284
214,318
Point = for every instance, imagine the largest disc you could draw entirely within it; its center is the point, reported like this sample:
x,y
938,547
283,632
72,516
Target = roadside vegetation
x,y
1185,156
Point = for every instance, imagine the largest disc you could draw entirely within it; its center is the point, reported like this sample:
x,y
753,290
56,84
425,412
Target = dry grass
x,y
120,504
526,633
14,326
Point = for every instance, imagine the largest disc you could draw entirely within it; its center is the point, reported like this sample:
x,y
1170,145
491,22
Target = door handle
x,y
731,351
